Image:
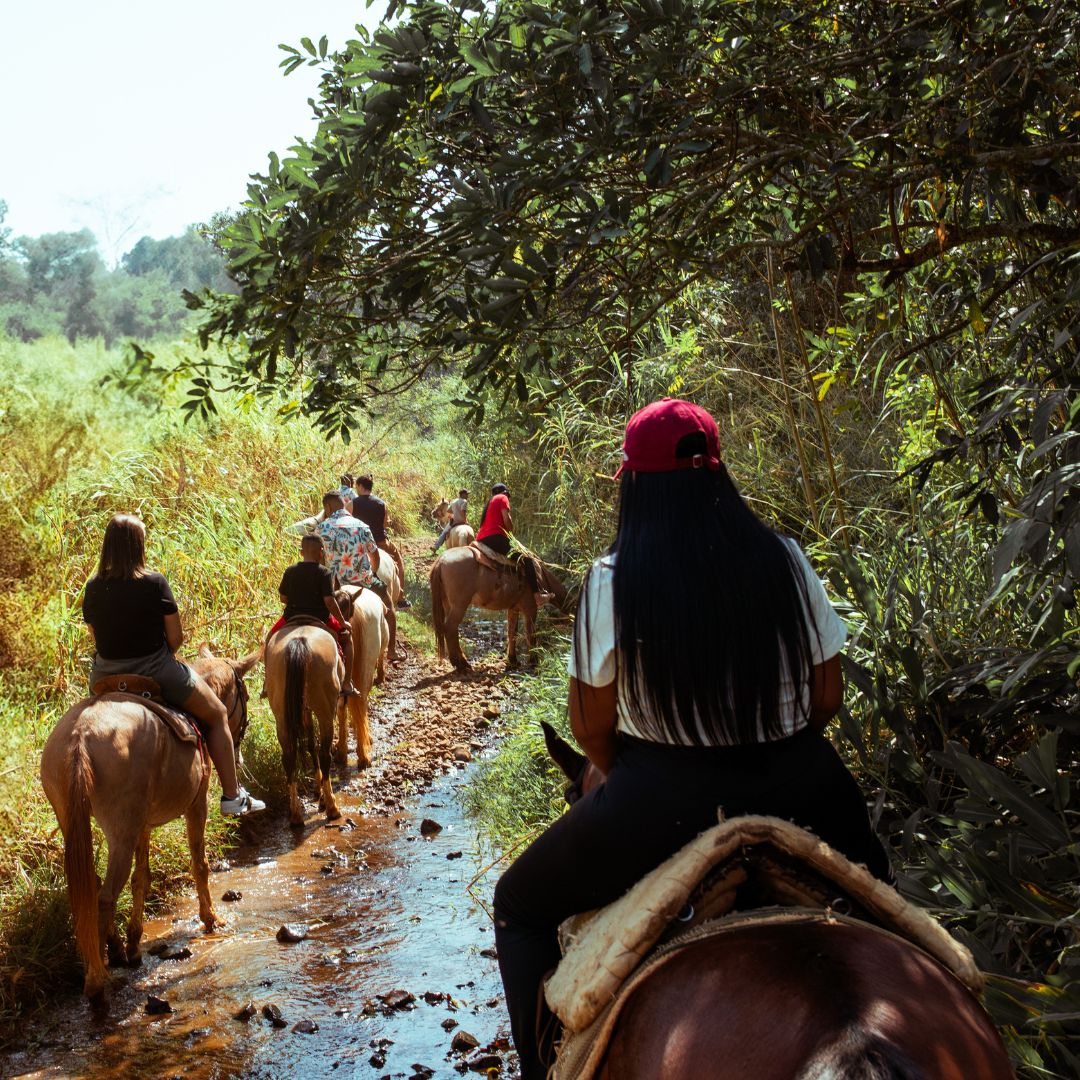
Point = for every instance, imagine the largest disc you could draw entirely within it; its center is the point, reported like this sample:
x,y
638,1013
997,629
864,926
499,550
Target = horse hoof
x,y
333,814
134,960
296,823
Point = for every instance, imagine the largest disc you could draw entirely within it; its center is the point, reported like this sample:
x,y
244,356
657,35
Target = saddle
x,y
147,692
748,869
494,561
501,564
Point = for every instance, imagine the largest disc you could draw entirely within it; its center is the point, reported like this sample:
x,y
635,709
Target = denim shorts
x,y
175,678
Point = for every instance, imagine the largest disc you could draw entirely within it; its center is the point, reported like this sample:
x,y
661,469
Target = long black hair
x,y
711,610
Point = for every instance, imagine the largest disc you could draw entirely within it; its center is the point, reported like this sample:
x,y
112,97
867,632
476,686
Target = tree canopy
x,y
504,184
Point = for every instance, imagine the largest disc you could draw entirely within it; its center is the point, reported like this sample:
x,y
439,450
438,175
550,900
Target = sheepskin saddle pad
x,y
755,865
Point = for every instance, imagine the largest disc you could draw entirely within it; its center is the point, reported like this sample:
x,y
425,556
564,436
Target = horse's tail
x,y
82,881
438,609
862,1055
297,658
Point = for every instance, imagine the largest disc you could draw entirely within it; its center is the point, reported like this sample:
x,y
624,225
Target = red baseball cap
x,y
653,433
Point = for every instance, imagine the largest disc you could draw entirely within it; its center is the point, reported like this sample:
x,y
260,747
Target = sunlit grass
x,y
216,499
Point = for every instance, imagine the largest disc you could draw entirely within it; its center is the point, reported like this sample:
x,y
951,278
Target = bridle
x,y
241,702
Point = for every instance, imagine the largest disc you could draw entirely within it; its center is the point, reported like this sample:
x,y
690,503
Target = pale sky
x,y
133,117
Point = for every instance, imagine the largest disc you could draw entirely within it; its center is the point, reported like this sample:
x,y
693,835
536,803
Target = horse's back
x,y
790,1001
138,767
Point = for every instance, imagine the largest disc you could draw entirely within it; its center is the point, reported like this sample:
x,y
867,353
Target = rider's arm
x,y
828,693
335,609
592,720
507,521
174,632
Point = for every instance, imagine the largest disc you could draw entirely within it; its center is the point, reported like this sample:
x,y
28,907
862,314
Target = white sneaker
x,y
242,804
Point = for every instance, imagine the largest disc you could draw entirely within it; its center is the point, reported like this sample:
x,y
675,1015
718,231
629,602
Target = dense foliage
x,y
58,283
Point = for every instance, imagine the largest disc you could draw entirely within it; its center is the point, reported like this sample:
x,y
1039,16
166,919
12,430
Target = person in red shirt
x,y
495,522
496,527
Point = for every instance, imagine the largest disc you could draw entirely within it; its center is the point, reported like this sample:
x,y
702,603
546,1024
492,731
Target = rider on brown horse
x,y
307,589
136,626
706,687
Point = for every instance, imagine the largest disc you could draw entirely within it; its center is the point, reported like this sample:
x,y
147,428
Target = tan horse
x,y
371,638
459,581
304,675
390,575
118,762
460,536
441,514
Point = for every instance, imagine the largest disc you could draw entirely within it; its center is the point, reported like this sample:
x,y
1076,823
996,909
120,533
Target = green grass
x,y
215,497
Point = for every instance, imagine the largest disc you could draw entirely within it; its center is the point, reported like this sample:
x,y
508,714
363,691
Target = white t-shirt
x,y
599,667
459,512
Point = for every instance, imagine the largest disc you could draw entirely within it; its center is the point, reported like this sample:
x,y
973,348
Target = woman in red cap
x,y
704,688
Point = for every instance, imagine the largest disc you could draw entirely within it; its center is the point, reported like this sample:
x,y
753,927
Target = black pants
x,y
656,799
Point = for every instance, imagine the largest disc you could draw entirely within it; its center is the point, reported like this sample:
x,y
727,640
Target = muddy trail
x,y
395,972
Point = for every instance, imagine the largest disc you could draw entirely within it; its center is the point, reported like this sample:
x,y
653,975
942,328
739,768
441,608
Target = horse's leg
x,y
341,747
511,636
358,704
454,614
140,882
195,819
121,852
326,748
323,764
528,615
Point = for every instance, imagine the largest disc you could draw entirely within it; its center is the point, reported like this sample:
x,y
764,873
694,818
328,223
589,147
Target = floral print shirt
x,y
349,548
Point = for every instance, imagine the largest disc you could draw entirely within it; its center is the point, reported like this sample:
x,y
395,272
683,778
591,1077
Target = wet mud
x,y
352,948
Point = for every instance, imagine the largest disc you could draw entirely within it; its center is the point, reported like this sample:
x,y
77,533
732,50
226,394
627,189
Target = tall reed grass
x,y
215,497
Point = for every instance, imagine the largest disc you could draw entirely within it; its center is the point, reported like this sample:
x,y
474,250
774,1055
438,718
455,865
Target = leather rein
x,y
241,702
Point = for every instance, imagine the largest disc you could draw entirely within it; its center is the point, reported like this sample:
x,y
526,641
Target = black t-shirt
x,y
371,510
304,584
127,615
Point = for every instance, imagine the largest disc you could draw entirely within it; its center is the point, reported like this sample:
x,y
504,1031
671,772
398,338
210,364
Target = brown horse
x,y
371,638
118,762
808,1000
304,675
459,580
460,536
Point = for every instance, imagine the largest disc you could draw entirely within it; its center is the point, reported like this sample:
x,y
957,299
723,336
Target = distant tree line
x,y
58,283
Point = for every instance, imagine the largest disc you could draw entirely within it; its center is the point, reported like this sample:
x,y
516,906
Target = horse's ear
x,y
562,753
204,651
242,667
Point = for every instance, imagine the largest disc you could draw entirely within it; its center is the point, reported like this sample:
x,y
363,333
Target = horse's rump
x,y
772,903
743,863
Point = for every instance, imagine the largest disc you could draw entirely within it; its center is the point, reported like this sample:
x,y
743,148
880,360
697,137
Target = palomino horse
x,y
460,536
118,762
459,580
390,576
441,514
800,999
371,638
304,675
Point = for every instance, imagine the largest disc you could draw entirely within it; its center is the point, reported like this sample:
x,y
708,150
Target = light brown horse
x,y
459,581
460,536
118,762
304,675
811,1000
371,638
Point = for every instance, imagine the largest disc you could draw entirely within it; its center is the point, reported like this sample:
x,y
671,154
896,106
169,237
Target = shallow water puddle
x,y
385,911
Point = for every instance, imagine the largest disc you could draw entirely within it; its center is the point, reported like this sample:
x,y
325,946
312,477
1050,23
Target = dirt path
x,y
396,976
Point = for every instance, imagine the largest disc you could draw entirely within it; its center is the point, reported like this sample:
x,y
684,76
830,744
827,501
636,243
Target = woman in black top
x,y
135,623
